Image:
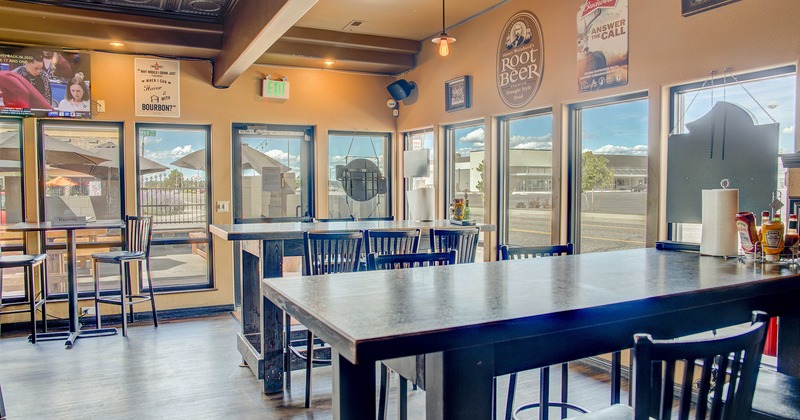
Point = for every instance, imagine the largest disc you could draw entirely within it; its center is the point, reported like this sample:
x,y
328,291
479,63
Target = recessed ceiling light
x,y
116,44
329,62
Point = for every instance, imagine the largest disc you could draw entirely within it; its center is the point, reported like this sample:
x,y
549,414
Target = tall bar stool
x,y
27,262
324,253
138,234
514,253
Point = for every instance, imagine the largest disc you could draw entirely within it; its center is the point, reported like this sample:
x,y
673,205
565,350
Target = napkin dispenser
x,y
719,234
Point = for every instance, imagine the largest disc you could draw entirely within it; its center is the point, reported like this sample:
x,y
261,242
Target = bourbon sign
x,y
520,59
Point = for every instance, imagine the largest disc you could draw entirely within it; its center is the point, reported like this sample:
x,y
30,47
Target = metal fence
x,y
173,205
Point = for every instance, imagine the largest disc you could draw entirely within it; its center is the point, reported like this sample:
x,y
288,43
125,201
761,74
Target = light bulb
x,y
443,48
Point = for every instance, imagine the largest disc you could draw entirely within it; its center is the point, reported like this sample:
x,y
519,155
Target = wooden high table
x,y
263,246
477,321
75,330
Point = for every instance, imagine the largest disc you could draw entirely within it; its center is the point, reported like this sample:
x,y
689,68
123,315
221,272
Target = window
x,y
274,166
80,175
769,96
11,208
173,189
419,140
359,175
608,181
465,170
526,180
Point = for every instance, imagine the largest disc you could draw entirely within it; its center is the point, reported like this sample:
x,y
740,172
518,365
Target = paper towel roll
x,y
719,235
421,204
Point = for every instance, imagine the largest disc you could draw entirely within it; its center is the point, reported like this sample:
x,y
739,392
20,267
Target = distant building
x,y
532,171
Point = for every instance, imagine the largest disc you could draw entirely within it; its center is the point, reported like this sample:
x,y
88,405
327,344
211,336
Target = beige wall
x,y
665,50
327,100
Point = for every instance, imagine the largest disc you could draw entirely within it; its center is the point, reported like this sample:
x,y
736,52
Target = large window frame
x,y
450,161
678,231
207,242
42,127
408,144
504,176
574,146
387,171
14,243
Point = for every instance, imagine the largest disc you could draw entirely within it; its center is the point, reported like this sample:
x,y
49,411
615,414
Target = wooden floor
x,y
190,370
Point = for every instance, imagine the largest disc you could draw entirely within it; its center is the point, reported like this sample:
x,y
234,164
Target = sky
x,y
622,128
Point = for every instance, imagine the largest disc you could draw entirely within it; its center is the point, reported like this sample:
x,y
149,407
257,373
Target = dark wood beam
x,y
251,27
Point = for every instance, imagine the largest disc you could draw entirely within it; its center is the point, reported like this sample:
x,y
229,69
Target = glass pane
x,y
418,141
271,180
11,202
358,185
81,178
613,201
172,189
767,100
529,178
466,177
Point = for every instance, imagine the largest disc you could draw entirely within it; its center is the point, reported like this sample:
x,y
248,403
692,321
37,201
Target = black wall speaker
x,y
400,89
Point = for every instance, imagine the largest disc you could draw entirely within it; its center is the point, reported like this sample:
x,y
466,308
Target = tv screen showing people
x,y
44,83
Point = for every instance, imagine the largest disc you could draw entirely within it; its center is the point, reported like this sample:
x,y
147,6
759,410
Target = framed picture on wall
x,y
691,7
456,94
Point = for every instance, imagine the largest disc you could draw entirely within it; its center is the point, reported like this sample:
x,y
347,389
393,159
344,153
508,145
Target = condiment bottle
x,y
772,238
764,220
792,237
458,209
748,236
466,207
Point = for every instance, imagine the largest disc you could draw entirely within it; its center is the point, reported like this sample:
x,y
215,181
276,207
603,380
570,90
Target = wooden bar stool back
x,y
463,240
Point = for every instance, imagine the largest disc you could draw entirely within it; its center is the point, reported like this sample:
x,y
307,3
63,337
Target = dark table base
x,y
73,336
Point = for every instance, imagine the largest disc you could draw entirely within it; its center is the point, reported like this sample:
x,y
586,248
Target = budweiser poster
x,y
520,59
602,44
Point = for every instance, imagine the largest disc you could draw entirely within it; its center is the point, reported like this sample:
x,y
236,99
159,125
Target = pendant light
x,y
443,39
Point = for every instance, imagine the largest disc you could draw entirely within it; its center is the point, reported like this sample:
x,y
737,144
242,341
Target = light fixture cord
x,y
443,17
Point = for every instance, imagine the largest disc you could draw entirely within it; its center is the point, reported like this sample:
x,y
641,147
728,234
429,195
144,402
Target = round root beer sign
x,y
520,59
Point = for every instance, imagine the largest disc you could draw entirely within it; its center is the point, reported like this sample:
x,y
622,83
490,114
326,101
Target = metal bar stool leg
x,y
512,388
96,276
152,295
43,285
616,377
384,391
309,365
2,406
564,388
287,355
32,296
122,294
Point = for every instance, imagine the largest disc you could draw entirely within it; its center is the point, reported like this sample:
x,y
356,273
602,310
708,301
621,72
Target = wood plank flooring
x,y
190,370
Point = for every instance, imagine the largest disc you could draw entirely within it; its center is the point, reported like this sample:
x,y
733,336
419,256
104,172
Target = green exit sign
x,y
275,89
147,133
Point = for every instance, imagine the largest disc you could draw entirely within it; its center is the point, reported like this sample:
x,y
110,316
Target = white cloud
x,y
282,156
638,150
543,142
181,151
788,130
150,140
473,136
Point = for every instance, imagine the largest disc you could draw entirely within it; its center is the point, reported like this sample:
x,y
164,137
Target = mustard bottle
x,y
772,238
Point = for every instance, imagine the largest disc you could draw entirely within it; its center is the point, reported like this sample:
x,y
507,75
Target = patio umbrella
x,y
60,181
56,151
251,159
111,154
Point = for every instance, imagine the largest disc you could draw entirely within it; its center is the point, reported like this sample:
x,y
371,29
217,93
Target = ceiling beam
x,y
250,28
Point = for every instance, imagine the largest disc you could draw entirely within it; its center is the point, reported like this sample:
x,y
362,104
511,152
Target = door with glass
x,y
608,180
420,140
273,172
174,189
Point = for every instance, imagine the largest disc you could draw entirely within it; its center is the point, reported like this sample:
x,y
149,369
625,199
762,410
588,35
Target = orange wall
x,y
665,49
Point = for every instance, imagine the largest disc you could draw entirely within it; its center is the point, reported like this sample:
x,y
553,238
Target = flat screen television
x,y
44,82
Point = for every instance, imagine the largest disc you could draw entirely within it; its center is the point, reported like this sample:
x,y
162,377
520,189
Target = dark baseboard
x,y
143,316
